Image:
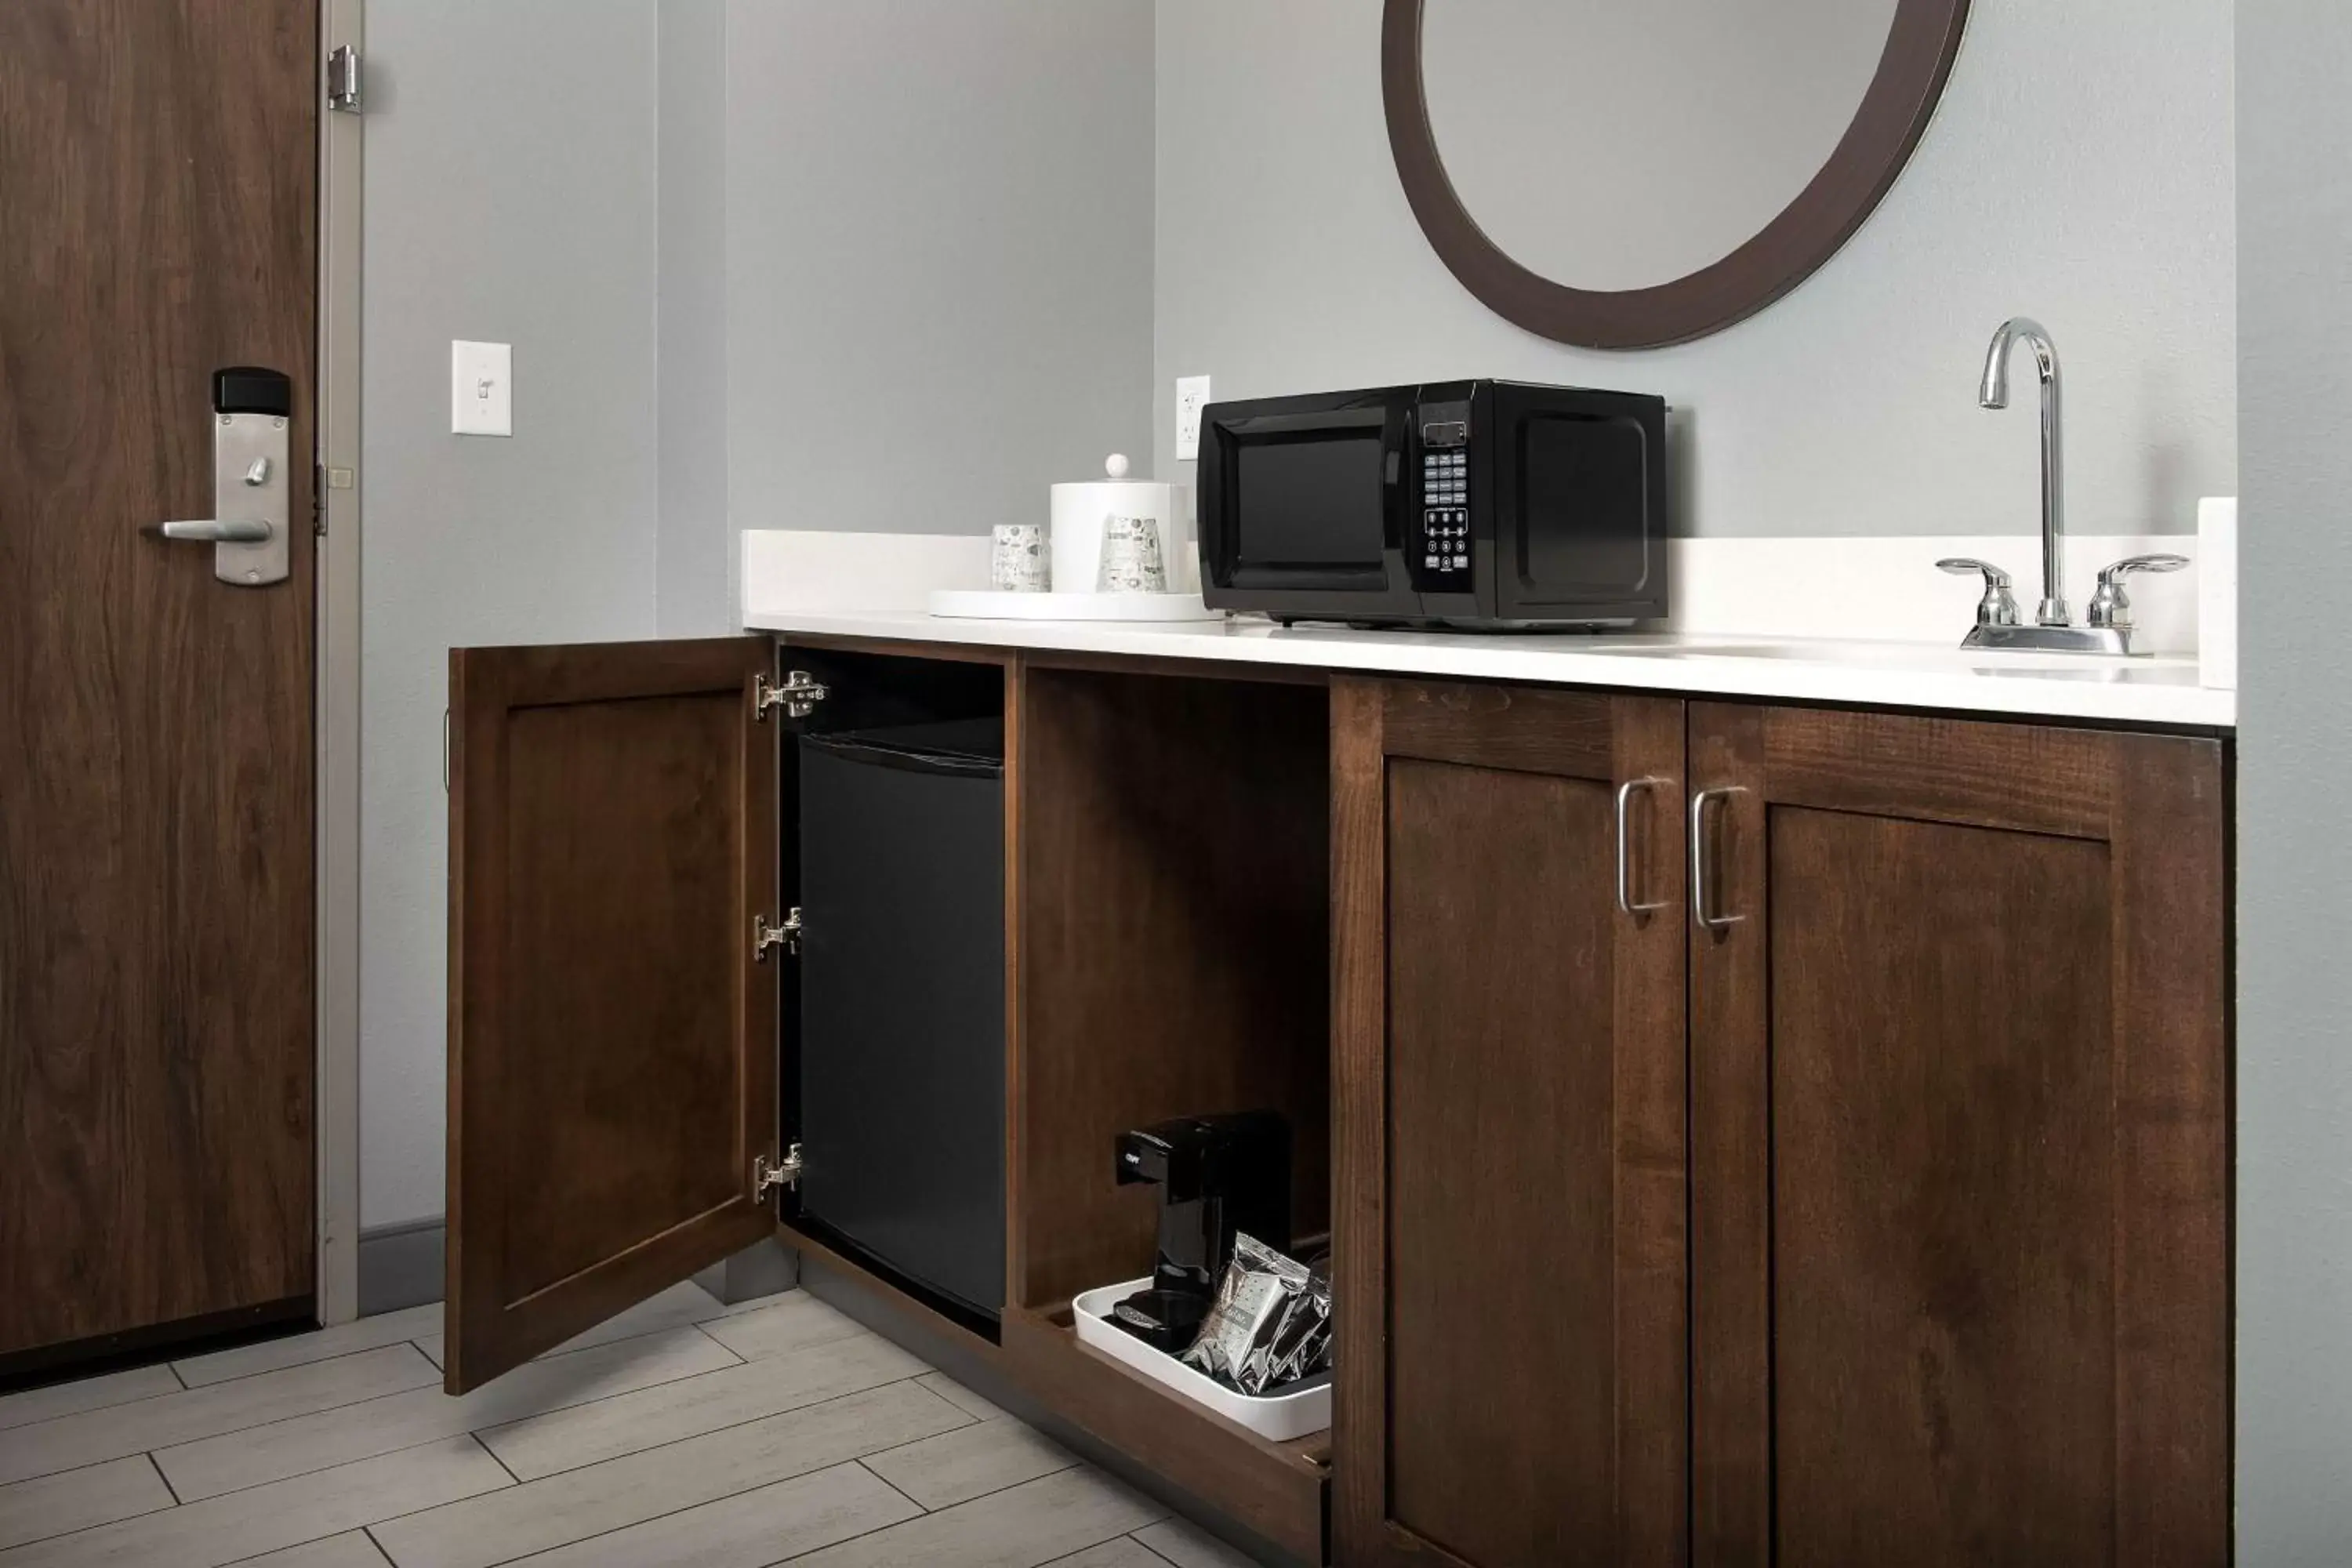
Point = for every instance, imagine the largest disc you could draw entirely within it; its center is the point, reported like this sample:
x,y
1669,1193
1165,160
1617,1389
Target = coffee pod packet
x,y
1270,1323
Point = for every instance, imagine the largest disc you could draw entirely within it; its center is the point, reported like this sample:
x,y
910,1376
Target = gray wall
x,y
510,196
695,548
2079,169
763,264
939,257
2294,869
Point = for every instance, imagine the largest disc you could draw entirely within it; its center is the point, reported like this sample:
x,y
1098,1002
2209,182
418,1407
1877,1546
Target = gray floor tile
x,y
1188,1546
750,1529
755,1304
318,1344
971,1461
628,1422
794,1322
1027,1525
227,1530
956,1394
67,1442
75,1499
1125,1552
293,1448
352,1550
682,1304
87,1394
577,1504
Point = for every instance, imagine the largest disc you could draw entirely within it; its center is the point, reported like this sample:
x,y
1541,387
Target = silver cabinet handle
x,y
219,530
1625,903
1698,857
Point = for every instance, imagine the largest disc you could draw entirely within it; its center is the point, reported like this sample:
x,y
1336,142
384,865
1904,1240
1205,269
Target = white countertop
x,y
2158,690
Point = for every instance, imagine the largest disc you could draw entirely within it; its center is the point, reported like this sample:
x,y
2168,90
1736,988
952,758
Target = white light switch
x,y
1191,396
481,388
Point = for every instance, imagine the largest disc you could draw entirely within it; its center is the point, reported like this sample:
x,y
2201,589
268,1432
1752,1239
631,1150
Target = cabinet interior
x,y
1173,888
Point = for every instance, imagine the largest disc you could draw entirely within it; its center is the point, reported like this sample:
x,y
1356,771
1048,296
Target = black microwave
x,y
1482,504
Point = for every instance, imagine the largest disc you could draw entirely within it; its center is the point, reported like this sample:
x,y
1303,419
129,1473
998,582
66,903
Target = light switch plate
x,y
481,388
1191,396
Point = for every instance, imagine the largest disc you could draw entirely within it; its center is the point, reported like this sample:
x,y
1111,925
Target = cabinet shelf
x,y
1274,1489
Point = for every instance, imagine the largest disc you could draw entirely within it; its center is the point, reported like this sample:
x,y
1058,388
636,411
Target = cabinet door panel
x,y
611,1041
1510,1093
1960,1147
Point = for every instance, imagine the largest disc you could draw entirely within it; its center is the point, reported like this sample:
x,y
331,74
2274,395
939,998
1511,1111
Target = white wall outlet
x,y
481,388
1191,396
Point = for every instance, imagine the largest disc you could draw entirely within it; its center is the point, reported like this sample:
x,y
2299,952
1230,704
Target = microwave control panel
x,y
1444,554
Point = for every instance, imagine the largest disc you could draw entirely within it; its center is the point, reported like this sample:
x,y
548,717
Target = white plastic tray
x,y
993,604
1303,1407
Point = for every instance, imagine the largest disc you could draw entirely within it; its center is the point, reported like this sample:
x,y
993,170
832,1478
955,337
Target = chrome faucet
x,y
2051,611
2054,631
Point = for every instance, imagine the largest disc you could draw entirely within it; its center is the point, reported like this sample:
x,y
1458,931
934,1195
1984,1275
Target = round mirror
x,y
1622,175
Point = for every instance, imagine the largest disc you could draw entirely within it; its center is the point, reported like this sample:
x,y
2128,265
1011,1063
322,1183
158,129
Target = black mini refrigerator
x,y
901,1043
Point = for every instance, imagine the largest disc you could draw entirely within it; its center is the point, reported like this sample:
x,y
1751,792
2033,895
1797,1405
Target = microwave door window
x,y
1309,511
1584,520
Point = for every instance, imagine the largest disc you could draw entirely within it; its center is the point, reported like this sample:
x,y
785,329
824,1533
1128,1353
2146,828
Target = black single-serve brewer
x,y
1216,1175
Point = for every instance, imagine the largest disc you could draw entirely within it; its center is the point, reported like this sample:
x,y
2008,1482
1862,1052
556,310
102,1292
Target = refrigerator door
x,y
901,1039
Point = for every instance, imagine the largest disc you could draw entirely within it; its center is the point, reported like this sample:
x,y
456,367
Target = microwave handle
x,y
1395,432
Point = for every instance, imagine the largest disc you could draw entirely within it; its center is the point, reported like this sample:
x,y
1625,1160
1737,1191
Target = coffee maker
x,y
1216,1176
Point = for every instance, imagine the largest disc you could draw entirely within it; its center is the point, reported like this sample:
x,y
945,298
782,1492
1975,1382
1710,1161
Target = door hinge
x,y
784,1173
798,696
319,499
343,80
765,936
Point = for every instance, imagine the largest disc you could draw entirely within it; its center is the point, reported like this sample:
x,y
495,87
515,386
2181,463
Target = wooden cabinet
x,y
1756,1135
1958,1114
1509,1066
1957,1248
611,1041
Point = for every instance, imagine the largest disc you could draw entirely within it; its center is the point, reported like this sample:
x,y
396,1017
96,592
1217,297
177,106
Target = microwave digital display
x,y
1311,503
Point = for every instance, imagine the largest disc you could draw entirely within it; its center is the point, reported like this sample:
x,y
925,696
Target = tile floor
x,y
682,1432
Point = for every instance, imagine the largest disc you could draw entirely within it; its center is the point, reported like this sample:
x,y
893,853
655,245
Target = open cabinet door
x,y
612,1028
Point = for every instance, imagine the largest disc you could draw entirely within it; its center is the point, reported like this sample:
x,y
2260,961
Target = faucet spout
x,y
1994,393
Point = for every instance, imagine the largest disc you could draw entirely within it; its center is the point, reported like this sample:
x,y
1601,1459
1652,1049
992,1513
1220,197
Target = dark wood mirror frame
x,y
1920,48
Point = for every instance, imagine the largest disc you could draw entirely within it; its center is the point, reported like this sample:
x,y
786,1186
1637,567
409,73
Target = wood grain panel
x,y
1499,727
155,756
1511,1226
1275,1489
1501,1233
1943,1120
1174,917
2030,778
612,1043
1972,1041
2173,1072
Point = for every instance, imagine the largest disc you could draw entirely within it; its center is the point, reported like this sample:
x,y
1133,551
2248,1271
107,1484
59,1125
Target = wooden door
x,y
612,1032
158,173
1959,1144
1508,1089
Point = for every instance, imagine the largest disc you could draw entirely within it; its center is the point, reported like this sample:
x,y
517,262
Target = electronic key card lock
x,y
252,485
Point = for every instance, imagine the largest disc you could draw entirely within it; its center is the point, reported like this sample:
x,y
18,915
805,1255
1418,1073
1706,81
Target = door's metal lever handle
x,y
1698,857
216,530
1625,902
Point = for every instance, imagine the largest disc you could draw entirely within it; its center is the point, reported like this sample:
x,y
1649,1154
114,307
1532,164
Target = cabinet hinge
x,y
343,80
798,696
784,1173
765,936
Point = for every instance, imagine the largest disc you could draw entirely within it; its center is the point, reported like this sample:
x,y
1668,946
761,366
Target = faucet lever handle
x,y
2110,605
1997,609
